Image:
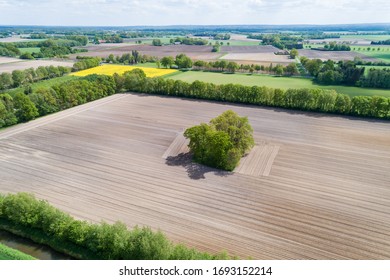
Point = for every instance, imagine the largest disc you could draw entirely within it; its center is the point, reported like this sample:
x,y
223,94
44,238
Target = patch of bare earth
x,y
326,196
334,55
20,64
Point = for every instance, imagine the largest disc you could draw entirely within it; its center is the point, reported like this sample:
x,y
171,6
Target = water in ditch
x,y
31,248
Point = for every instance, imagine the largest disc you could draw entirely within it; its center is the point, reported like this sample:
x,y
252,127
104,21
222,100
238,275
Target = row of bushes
x,y
103,241
316,100
86,63
21,107
31,75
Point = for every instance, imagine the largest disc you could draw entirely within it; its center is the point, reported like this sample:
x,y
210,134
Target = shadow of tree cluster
x,y
194,170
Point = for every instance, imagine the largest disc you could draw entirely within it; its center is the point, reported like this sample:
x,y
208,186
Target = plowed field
x,y
323,191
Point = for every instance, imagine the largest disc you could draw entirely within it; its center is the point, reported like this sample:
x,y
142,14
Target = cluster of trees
x,y
22,107
222,142
316,100
131,58
59,48
48,48
182,61
85,63
330,73
385,42
107,38
281,41
156,42
8,49
36,36
376,78
221,36
346,73
333,46
22,77
216,47
232,67
82,239
189,41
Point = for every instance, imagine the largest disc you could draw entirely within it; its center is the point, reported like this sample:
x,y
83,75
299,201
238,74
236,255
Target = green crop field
x,y
271,81
29,50
7,253
384,56
367,68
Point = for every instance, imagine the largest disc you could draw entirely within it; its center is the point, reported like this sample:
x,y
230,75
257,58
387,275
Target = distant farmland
x,y
10,64
323,193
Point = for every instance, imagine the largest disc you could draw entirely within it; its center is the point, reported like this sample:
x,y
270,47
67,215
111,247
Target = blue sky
x,y
187,12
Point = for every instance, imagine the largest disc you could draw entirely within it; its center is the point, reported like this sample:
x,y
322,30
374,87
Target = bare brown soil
x,y
194,52
13,39
241,54
20,64
327,194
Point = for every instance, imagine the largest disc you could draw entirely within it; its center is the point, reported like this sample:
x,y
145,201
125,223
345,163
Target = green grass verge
x,y
384,56
7,253
29,50
272,81
367,68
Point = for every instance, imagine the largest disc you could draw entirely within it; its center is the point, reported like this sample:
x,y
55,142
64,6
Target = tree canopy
x,y
222,142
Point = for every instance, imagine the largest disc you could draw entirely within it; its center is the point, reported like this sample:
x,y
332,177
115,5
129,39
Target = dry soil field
x,y
195,52
334,55
241,54
10,64
324,192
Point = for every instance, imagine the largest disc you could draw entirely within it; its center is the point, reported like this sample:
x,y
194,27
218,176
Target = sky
x,y
191,12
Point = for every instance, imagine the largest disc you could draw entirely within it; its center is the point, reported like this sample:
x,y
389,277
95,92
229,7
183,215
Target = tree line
x,y
189,41
346,73
232,67
21,107
280,41
316,100
182,61
48,48
333,46
23,77
134,57
384,42
85,63
38,220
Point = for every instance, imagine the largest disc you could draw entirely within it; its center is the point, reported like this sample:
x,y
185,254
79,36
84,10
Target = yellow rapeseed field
x,y
109,69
